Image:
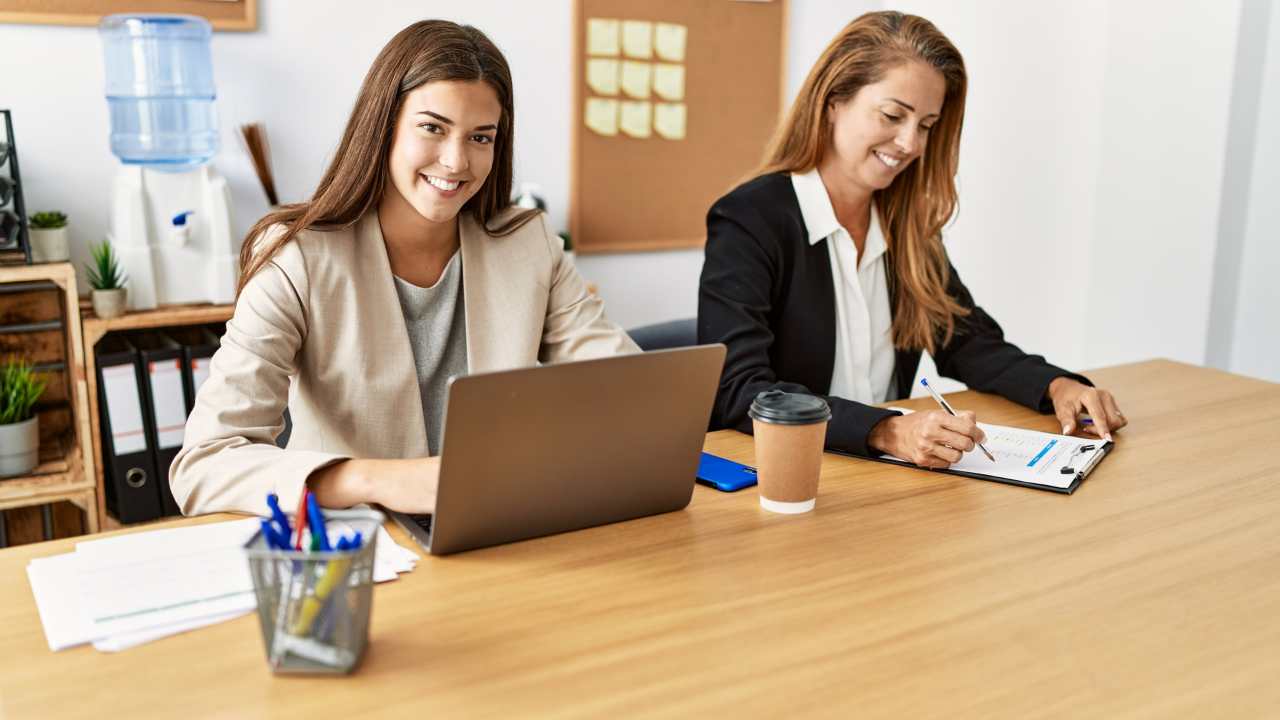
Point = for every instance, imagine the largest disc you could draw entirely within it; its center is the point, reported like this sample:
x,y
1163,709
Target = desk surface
x,y
1154,590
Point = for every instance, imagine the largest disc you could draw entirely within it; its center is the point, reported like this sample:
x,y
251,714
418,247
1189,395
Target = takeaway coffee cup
x,y
790,429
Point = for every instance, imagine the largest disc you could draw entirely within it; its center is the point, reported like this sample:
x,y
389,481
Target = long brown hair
x,y
914,208
426,51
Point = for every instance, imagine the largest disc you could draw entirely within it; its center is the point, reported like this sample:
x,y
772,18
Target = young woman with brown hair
x,y
826,272
408,266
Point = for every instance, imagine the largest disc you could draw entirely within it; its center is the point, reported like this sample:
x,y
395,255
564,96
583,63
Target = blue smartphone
x,y
723,474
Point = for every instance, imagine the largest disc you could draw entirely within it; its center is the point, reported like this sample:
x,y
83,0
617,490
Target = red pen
x,y
300,520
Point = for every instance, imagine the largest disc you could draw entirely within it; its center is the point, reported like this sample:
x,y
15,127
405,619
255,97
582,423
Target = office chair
x,y
670,334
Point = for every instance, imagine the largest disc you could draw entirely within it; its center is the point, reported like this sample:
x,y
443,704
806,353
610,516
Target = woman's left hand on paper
x,y
1072,398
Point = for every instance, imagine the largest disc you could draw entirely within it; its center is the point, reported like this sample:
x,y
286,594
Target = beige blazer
x,y
320,330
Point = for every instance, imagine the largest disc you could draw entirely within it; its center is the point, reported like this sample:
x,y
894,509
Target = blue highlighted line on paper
x,y
1042,452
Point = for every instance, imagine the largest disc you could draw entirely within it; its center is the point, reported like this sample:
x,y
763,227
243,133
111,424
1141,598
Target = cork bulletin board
x,y
221,14
673,103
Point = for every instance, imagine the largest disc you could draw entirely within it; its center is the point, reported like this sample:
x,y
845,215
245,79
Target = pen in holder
x,y
314,606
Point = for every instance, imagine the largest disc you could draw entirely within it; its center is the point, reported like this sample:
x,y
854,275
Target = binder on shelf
x,y
198,344
165,406
128,463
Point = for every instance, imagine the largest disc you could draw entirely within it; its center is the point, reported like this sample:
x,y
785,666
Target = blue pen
x,y
281,519
317,523
269,534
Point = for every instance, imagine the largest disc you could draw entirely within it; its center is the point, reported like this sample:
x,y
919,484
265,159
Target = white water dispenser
x,y
170,211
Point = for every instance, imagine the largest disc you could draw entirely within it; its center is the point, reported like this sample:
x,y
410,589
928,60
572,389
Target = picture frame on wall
x,y
239,15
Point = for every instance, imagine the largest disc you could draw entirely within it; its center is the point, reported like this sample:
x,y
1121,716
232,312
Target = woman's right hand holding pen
x,y
929,438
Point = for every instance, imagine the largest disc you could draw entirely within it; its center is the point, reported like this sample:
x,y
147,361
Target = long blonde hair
x,y
922,198
424,52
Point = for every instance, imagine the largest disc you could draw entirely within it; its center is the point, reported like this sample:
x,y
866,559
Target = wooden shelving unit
x,y
67,469
94,330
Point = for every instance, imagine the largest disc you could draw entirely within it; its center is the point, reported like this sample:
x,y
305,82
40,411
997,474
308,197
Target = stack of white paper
x,y
128,590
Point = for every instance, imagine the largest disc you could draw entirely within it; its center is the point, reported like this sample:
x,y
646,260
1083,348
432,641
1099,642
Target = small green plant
x,y
104,271
50,220
20,388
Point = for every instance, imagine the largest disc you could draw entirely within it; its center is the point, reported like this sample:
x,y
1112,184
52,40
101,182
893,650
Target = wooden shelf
x,y
94,330
59,476
167,316
57,272
66,470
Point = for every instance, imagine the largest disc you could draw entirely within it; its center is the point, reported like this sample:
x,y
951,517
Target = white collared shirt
x,y
864,358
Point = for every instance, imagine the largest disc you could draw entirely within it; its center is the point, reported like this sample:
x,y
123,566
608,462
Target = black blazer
x,y
768,295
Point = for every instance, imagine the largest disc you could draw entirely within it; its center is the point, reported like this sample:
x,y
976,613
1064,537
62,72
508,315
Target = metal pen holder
x,y
314,606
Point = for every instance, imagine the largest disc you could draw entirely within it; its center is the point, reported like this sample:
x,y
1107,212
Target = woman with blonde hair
x,y
826,273
407,267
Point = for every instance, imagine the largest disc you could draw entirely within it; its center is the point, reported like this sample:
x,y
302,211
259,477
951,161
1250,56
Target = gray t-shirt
x,y
436,320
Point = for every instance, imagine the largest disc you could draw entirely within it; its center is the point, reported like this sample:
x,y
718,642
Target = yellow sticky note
x,y
635,79
602,116
602,76
668,81
637,39
669,120
634,118
668,41
602,36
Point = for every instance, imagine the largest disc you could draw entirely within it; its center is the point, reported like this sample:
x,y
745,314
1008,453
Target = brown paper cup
x,y
788,463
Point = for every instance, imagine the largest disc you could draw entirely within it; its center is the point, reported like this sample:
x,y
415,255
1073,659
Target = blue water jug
x,y
160,90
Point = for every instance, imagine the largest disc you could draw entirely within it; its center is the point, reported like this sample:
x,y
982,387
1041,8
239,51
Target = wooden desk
x,y
1153,591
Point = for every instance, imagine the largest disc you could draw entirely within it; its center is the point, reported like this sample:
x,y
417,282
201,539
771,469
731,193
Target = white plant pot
x,y
19,447
110,303
50,245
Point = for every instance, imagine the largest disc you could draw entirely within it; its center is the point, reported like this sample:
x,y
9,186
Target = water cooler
x,y
170,212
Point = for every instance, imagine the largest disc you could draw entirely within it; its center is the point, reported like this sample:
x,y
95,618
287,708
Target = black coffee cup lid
x,y
784,408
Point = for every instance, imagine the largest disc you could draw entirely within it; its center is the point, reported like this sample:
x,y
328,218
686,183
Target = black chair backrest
x,y
662,336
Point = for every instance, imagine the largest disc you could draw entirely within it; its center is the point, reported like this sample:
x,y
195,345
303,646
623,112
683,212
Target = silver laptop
x,y
555,448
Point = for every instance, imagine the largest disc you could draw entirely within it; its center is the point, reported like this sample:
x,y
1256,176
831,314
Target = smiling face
x,y
443,147
884,127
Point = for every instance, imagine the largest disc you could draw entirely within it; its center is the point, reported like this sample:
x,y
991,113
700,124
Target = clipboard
x,y
1080,468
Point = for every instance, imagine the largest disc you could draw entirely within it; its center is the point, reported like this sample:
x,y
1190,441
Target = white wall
x,y
1255,345
1092,169
1237,178
1159,187
1092,183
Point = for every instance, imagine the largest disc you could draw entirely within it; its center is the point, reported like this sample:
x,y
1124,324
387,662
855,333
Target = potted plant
x,y
20,388
107,281
49,237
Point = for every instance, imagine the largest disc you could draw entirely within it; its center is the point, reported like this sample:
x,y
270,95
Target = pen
x,y
270,536
301,517
282,520
319,536
335,572
952,412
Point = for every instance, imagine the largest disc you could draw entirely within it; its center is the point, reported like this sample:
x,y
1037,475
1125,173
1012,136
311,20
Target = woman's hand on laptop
x,y
407,486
